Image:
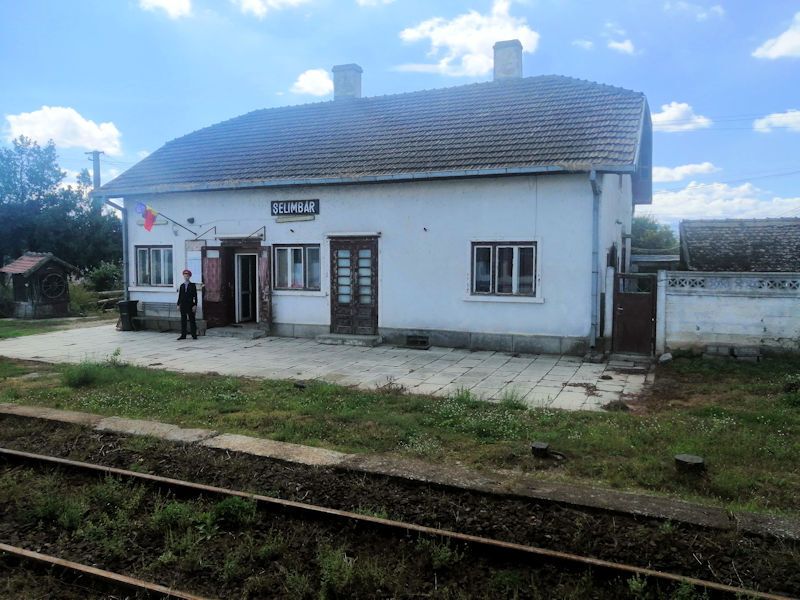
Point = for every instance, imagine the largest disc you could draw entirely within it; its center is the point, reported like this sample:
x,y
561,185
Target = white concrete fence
x,y
698,309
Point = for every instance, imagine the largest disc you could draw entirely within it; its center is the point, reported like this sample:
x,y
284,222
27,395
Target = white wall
x,y
426,229
739,309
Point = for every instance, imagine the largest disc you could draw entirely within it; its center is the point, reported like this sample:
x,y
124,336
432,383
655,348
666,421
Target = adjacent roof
x,y
755,245
30,262
512,125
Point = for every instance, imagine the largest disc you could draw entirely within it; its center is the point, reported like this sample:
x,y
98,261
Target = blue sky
x,y
722,77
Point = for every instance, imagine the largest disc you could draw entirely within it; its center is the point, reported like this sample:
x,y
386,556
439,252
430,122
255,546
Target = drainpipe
x,y
125,270
593,331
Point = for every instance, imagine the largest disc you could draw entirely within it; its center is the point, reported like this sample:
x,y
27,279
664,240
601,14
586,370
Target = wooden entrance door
x,y
354,286
634,313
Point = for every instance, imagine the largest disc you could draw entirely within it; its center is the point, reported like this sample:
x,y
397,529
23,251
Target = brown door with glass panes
x,y
354,286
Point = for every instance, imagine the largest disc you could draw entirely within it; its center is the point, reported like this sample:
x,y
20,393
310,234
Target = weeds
x,y
441,553
336,570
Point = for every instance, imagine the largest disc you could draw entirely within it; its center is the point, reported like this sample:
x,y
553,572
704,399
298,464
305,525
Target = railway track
x,y
115,580
523,553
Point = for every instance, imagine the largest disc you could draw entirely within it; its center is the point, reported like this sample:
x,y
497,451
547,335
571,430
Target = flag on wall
x,y
148,213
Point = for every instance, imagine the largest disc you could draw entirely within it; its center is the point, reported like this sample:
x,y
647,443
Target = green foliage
x,y
273,546
48,508
83,374
442,553
649,234
336,570
234,512
637,586
81,300
174,516
38,214
105,276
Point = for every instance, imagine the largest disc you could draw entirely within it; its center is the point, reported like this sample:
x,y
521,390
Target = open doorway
x,y
246,287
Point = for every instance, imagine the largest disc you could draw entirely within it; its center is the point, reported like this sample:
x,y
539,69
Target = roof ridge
x,y
407,94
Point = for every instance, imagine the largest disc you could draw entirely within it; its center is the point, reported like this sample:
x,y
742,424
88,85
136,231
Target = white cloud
x,y
67,128
625,46
681,172
373,2
698,11
260,8
789,120
585,44
679,116
785,45
316,82
175,9
464,44
615,35
718,201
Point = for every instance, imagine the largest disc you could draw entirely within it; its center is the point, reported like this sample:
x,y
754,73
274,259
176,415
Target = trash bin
x,y
127,312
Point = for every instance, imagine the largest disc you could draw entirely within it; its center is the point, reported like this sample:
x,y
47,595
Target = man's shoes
x,y
183,337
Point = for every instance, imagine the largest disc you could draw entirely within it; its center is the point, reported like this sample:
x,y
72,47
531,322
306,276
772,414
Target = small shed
x,y
40,285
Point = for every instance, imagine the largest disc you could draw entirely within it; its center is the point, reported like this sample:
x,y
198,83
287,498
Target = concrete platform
x,y
539,380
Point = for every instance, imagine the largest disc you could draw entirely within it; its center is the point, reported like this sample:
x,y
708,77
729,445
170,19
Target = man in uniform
x,y
187,302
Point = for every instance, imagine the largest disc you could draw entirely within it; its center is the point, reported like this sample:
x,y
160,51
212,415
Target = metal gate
x,y
634,328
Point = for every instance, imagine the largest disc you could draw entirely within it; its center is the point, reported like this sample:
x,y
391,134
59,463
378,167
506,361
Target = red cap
x,y
185,271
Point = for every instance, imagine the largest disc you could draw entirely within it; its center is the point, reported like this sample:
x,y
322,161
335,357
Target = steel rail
x,y
321,511
95,573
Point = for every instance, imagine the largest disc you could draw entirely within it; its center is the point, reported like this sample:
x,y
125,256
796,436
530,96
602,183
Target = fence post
x,y
661,313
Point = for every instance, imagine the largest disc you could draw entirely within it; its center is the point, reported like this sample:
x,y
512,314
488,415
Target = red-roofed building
x,y
40,285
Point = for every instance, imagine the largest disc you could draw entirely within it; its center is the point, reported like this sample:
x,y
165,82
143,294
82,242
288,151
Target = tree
x,y
39,213
648,236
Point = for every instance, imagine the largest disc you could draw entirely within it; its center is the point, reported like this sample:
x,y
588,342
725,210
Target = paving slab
x,y
297,453
164,431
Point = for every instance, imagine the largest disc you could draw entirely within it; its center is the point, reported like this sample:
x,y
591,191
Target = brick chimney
x,y
508,60
347,81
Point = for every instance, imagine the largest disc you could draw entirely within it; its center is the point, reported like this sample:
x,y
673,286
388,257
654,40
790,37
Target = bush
x,y
81,299
82,375
104,277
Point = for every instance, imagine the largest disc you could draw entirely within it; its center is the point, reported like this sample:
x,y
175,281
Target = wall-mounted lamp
x,y
190,220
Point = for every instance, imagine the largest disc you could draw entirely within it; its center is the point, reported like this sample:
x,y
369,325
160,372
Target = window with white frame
x,y
154,265
297,267
504,268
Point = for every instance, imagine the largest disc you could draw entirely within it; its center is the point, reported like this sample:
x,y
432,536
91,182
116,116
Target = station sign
x,y
279,208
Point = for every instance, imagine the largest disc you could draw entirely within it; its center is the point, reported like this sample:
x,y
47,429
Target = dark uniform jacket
x,y
187,298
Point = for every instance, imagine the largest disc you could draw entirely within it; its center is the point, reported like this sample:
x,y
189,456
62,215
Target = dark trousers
x,y
187,312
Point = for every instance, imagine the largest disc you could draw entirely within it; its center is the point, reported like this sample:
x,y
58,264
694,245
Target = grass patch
x,y
743,418
11,328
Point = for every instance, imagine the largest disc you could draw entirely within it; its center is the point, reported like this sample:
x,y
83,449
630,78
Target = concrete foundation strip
x,y
334,514
505,483
95,573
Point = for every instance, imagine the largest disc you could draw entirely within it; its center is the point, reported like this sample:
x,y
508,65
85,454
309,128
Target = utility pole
x,y
95,167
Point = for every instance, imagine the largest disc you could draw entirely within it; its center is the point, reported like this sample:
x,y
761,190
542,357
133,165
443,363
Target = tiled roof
x,y
30,262
754,245
546,121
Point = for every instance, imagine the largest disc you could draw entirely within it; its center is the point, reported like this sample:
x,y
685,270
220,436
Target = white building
x,y
480,216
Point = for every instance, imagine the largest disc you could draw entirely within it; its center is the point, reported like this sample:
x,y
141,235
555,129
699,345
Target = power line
x,y
745,179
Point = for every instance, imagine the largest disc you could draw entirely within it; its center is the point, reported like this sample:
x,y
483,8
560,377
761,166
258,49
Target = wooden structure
x,y
40,284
